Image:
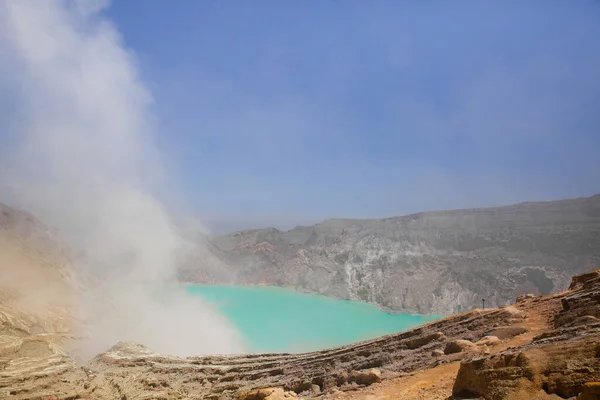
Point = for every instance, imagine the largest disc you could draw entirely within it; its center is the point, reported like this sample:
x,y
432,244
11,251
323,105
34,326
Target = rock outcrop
x,y
456,346
268,394
426,263
489,341
564,361
367,377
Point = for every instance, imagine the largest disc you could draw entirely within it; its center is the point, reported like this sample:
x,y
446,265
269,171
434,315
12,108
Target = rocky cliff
x,y
424,263
543,347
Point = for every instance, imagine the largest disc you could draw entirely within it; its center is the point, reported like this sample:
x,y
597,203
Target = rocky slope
x,y
426,262
543,347
36,284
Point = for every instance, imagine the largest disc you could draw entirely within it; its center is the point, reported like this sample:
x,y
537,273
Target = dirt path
x,y
431,384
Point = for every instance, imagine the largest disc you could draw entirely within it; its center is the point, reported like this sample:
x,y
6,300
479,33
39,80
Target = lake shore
x,y
282,319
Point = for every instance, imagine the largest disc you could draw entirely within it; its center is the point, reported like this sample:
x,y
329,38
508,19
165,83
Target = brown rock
x,y
268,394
483,349
557,368
315,389
505,332
563,360
423,340
367,377
583,280
512,311
456,346
488,341
525,297
437,353
590,391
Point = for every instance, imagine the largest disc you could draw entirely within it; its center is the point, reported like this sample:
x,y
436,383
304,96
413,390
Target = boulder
x,y
423,340
583,280
512,312
367,377
583,320
525,297
456,346
590,391
505,332
437,353
561,368
268,394
315,389
488,341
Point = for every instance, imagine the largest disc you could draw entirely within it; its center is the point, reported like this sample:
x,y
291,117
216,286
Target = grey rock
x,y
428,262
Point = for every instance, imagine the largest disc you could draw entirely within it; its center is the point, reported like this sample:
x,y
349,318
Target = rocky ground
x,y
425,263
542,347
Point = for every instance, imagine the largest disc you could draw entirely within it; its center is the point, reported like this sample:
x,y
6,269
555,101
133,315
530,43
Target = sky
x,y
275,113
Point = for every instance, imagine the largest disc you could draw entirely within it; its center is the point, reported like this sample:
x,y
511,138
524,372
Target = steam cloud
x,y
81,157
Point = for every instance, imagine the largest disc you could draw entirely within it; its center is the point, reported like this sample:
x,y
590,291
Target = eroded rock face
x,y
584,302
426,262
559,368
560,361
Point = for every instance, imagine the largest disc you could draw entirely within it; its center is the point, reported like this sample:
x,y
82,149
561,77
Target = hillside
x,y
543,347
424,263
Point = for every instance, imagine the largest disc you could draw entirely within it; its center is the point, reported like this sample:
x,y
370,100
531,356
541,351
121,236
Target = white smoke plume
x,y
77,151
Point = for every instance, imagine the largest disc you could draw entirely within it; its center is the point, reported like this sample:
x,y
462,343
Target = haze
x,y
278,113
79,153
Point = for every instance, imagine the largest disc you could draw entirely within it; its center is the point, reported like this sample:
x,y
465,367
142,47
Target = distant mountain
x,y
426,262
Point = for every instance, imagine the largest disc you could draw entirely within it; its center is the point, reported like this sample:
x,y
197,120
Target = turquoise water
x,y
273,319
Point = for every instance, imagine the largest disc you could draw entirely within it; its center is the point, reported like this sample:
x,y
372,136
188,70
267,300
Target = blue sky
x,y
283,113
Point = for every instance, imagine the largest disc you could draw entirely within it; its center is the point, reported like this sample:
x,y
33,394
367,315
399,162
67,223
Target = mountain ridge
x,y
425,262
455,211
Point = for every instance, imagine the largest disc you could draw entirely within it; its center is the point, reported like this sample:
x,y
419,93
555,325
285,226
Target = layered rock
x,y
222,377
560,361
543,344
